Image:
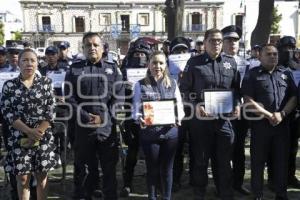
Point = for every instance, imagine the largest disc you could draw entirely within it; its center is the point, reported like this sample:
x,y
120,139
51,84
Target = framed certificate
x,y
177,62
5,76
218,101
162,112
135,74
57,77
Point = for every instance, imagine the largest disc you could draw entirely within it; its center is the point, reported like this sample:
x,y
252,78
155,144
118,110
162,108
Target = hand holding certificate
x,y
57,77
218,101
159,112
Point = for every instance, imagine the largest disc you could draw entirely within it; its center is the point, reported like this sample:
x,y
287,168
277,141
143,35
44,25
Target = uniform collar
x,y
98,64
209,59
263,70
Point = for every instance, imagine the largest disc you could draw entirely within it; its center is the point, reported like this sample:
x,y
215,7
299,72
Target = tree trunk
x,y
175,11
261,33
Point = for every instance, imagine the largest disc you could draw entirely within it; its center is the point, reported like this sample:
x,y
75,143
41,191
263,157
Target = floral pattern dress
x,y
30,105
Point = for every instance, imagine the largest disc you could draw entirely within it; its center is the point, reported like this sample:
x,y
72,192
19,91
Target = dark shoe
x,y
294,183
258,198
242,190
176,187
281,198
125,192
97,193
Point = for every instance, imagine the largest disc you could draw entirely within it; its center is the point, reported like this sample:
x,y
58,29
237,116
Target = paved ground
x,y
63,190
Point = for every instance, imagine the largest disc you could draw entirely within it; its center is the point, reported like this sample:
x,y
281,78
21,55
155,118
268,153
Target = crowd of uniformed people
x,y
58,103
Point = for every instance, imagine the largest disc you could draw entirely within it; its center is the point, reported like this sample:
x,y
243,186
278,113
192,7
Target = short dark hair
x,y
211,31
266,45
90,34
27,50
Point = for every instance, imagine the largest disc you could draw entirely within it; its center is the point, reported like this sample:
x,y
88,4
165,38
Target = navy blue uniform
x,y
272,90
211,138
97,88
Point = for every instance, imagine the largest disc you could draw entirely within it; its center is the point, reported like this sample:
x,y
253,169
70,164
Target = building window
x,y
197,22
46,24
239,21
143,19
125,23
105,19
79,24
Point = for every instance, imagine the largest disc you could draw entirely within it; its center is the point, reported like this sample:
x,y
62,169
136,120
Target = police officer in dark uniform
x,y
180,45
3,61
231,37
270,92
63,51
137,57
286,47
211,137
53,66
97,91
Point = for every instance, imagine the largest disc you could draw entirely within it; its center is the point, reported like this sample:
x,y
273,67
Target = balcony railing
x,y
196,28
44,28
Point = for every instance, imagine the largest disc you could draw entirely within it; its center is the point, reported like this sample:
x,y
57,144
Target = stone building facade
x,y
47,22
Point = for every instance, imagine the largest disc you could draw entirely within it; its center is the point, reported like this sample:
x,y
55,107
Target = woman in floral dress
x,y
27,106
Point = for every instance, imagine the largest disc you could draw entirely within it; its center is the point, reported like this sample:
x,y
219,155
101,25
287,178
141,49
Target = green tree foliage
x,y
276,19
18,35
1,33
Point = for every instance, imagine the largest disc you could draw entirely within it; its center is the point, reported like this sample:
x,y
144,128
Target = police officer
x,y
211,138
231,37
179,45
63,53
253,60
286,47
137,57
13,52
3,61
97,91
269,90
199,46
51,55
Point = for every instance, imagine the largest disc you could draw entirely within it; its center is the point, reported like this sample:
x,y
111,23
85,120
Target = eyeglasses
x,y
215,41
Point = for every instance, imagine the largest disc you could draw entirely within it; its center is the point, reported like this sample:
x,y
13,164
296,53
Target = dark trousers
x,y
159,155
179,156
213,140
238,157
273,141
87,149
132,154
294,136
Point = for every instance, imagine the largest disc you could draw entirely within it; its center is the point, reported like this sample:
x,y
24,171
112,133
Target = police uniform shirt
x,y
272,90
4,68
201,72
98,87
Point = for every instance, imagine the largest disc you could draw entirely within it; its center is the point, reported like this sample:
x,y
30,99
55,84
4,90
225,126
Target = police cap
x,y
287,41
14,48
141,46
51,50
180,42
232,31
63,45
3,50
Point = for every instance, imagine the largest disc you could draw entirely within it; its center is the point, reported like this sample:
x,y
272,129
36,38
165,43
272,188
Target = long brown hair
x,y
166,80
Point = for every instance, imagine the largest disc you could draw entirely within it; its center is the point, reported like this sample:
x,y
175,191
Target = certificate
x,y
218,101
57,77
177,62
5,76
135,74
159,112
296,75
